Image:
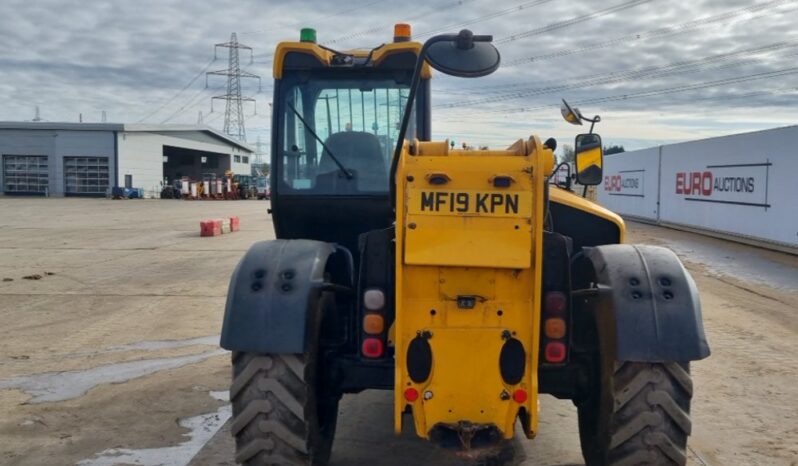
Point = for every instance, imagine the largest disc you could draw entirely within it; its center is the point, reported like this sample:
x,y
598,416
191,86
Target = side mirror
x,y
571,114
589,159
464,55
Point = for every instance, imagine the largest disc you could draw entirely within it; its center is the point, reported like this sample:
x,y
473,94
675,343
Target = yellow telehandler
x,y
465,281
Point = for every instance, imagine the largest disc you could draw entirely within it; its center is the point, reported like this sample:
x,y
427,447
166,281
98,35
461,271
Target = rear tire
x,y
640,415
281,415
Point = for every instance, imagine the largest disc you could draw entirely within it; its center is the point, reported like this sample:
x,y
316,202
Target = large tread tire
x,y
641,416
281,416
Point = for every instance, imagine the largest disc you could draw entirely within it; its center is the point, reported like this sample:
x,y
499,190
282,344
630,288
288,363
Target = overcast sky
x,y
655,70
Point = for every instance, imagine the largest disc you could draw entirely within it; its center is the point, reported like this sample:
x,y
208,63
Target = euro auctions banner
x,y
740,184
631,183
744,184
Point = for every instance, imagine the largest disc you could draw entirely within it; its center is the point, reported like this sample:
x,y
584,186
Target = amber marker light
x,y
402,32
373,324
554,328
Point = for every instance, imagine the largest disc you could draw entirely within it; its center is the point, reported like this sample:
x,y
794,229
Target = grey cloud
x,y
129,58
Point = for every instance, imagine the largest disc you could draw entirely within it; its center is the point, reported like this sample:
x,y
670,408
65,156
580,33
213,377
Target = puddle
x,y
59,386
739,264
155,345
149,345
202,429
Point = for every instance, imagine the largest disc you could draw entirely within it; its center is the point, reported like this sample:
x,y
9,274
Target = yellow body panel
x,y
449,224
570,199
324,55
493,254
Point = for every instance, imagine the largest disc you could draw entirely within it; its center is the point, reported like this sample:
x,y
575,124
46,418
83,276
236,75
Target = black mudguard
x,y
270,293
647,306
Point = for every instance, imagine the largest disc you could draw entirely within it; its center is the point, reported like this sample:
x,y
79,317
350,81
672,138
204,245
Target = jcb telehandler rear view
x,y
465,281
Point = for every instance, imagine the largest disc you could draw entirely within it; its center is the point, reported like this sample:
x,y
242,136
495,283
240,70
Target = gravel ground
x,y
111,312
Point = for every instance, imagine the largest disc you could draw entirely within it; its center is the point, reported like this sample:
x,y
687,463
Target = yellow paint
x,y
324,55
444,253
570,199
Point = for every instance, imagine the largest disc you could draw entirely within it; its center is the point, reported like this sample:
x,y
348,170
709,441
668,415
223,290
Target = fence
x,y
739,186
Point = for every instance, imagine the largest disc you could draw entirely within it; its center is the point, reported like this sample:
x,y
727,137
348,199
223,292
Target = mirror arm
x,y
411,97
464,39
592,122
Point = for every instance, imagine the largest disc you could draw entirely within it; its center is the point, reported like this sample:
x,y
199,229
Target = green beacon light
x,y
307,35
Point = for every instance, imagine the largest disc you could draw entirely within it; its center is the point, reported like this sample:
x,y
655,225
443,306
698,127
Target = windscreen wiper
x,y
343,169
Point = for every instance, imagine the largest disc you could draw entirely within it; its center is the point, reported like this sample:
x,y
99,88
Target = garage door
x,y
25,174
85,175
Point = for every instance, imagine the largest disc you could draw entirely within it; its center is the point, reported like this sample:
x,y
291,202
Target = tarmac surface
x,y
111,312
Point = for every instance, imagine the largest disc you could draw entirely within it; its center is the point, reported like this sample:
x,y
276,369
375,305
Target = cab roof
x,y
309,56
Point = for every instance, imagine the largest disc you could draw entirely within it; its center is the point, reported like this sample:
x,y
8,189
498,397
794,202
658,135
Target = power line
x,y
572,21
776,91
438,8
661,32
323,18
665,91
688,66
213,118
486,17
175,96
725,97
192,102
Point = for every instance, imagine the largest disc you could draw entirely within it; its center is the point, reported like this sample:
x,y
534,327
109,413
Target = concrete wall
x,y
57,144
740,186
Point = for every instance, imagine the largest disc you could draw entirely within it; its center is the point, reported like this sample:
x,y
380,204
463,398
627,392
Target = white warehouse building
x,y
88,159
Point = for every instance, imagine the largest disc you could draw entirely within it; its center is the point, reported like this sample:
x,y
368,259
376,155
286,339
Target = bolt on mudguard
x,y
647,304
270,292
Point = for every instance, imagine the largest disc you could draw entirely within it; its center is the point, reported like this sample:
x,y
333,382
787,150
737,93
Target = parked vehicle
x,y
263,189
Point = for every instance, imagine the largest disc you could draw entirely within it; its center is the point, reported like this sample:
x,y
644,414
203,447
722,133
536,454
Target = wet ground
x,y
111,311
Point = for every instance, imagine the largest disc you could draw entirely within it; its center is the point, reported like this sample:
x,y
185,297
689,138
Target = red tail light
x,y
411,394
555,352
373,347
520,396
554,302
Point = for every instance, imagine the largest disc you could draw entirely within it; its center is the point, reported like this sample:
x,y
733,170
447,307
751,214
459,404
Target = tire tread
x,y
651,419
268,412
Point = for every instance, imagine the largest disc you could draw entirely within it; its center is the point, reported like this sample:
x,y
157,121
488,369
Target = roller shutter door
x,y
86,176
25,174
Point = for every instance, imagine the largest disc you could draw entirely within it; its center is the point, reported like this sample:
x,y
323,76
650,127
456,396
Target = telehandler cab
x,y
463,280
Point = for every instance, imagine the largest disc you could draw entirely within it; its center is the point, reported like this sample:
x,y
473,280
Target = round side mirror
x,y
466,56
570,114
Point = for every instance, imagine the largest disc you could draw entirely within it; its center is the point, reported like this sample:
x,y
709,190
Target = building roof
x,y
123,127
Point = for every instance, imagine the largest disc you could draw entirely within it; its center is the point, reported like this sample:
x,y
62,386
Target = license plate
x,y
471,203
